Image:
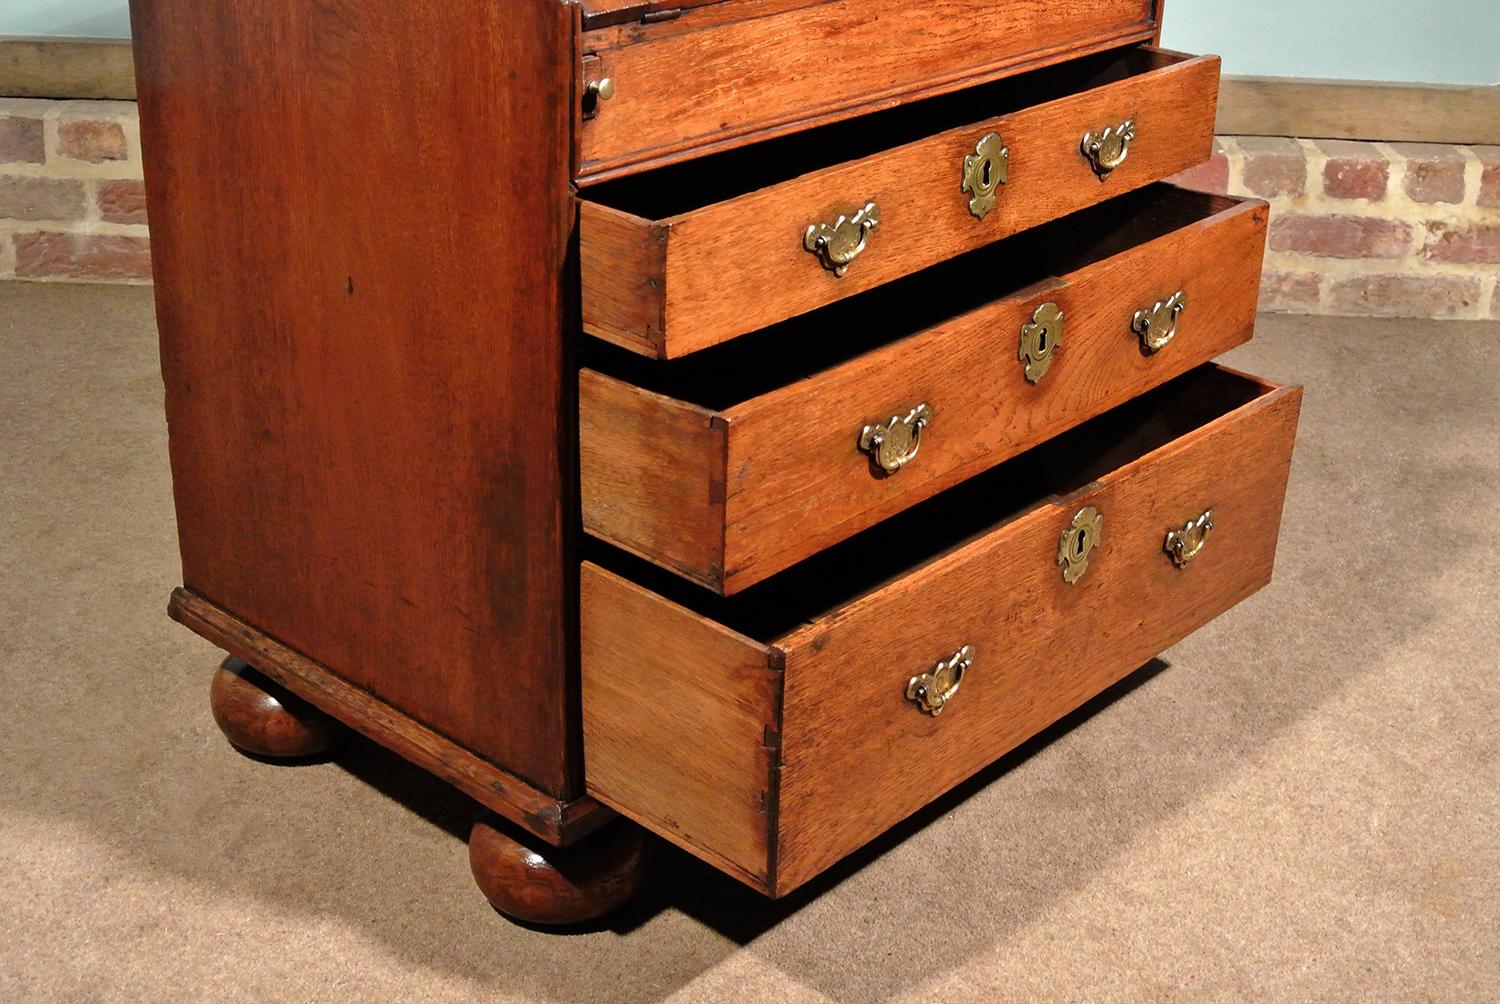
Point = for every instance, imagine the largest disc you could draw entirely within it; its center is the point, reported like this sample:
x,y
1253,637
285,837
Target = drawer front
x,y
671,286
737,494
761,67
775,759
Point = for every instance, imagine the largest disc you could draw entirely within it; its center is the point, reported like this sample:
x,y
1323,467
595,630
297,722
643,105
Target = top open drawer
x,y
685,257
693,75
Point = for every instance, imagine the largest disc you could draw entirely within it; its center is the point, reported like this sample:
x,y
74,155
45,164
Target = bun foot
x,y
262,718
549,886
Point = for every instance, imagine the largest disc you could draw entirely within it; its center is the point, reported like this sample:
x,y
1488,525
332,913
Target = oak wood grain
x,y
783,477
727,70
739,264
855,755
366,393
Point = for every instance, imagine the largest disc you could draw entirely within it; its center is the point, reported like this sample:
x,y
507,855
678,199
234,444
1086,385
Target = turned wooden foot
x,y
534,883
259,716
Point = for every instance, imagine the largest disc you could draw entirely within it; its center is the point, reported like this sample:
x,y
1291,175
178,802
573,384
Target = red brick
x,y
82,256
1464,243
1434,173
122,201
1404,295
1489,180
1273,167
21,140
41,198
93,140
1355,171
1340,236
1210,176
1289,292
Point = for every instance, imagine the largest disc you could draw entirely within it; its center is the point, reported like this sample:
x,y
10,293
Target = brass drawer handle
x,y
1078,542
1107,149
1158,325
894,443
1185,544
1041,338
985,170
931,691
837,244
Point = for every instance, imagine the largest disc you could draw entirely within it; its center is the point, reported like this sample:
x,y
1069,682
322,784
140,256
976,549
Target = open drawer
x,y
774,732
688,74
761,451
683,258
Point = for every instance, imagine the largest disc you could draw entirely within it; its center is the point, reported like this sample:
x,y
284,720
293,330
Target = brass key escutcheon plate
x,y
1041,338
931,691
985,170
1078,542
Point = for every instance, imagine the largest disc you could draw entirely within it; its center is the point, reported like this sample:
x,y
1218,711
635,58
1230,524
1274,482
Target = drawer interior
x,y
681,188
754,364
861,564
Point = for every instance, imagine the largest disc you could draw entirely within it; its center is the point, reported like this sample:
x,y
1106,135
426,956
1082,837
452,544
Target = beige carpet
x,y
1299,803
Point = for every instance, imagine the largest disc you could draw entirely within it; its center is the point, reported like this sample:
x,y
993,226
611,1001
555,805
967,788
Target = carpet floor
x,y
1299,803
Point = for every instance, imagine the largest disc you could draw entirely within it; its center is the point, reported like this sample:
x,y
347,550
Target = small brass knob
x,y
602,89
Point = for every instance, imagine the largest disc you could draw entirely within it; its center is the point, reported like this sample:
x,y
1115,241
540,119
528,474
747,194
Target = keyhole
x,y
1043,342
1080,546
984,175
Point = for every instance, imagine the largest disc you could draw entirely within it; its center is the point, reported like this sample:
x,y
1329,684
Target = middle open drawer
x,y
736,463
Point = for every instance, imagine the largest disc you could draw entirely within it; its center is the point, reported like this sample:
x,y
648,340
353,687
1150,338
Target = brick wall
x,y
1358,228
1389,229
71,202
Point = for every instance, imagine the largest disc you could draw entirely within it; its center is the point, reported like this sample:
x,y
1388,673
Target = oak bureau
x,y
749,418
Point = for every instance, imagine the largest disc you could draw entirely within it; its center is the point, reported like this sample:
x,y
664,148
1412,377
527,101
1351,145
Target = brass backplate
x,y
894,443
1186,543
985,170
1078,542
1157,325
931,691
1107,149
837,244
1041,339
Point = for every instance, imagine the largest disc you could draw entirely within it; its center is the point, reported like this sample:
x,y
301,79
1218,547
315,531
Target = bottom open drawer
x,y
774,732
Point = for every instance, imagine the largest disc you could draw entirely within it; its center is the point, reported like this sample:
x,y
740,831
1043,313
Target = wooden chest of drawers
x,y
746,417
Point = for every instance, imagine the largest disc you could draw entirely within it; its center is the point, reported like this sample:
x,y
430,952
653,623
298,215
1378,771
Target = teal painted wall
x,y
1431,41
1437,41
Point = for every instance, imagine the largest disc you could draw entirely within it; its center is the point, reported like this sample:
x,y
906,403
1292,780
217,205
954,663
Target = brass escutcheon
x,y
894,443
1078,542
1185,544
1158,326
1041,338
1107,149
985,170
932,690
837,244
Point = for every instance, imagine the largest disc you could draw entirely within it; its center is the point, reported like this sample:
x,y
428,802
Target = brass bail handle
x,y
839,243
894,443
1107,149
1157,325
1187,541
932,691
